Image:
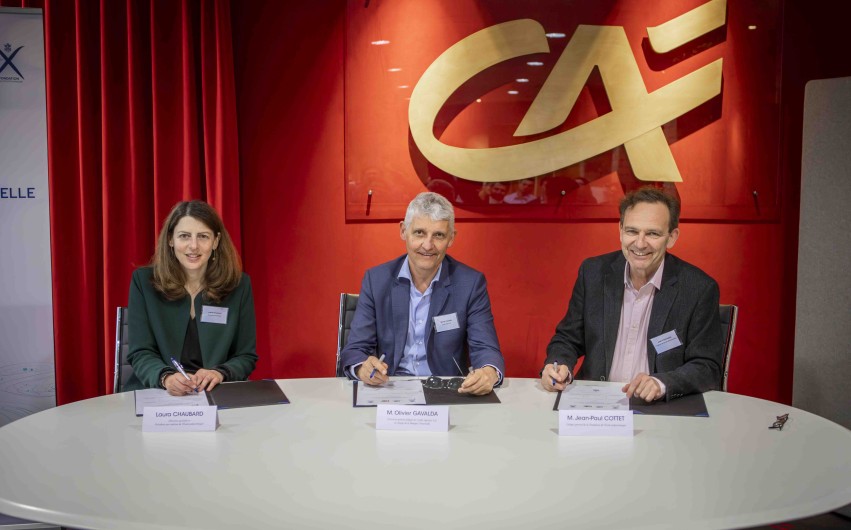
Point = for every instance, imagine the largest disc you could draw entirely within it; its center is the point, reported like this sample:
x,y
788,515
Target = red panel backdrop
x,y
289,70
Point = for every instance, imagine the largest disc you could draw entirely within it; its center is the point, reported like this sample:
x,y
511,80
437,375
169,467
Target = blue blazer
x,y
380,324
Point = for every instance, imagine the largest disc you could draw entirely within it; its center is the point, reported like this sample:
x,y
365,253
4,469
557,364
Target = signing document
x,y
398,392
157,397
604,397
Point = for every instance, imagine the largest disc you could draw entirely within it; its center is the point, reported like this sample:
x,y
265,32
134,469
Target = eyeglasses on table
x,y
437,383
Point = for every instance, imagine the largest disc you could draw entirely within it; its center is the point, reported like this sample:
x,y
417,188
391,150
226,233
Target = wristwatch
x,y
166,373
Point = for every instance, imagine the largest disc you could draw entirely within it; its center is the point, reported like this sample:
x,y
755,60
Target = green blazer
x,y
157,329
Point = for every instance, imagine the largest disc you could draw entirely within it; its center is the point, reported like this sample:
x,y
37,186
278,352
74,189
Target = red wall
x,y
300,252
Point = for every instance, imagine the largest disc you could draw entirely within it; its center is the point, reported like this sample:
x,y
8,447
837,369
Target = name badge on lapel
x,y
666,341
446,322
214,315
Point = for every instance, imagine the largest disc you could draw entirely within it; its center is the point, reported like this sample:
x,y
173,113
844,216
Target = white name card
x,y
179,419
597,423
412,418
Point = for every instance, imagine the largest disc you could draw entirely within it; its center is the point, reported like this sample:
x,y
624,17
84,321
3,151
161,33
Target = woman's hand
x,y
207,379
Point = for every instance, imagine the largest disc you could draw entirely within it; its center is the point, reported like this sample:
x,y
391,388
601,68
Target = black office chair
x,y
729,313
123,370
348,304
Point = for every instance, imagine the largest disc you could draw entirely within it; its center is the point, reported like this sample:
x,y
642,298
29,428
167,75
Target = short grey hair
x,y
432,205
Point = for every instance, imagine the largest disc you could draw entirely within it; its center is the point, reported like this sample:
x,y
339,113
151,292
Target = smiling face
x,y
193,243
645,239
426,241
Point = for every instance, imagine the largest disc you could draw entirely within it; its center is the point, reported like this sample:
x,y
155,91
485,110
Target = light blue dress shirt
x,y
414,360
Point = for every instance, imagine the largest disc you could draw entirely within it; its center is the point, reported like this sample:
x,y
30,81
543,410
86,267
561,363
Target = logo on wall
x,y
636,116
7,54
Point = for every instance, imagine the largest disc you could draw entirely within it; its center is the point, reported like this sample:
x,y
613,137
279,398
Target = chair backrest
x,y
728,313
348,304
123,370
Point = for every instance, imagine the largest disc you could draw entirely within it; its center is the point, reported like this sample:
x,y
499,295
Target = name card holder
x,y
180,419
597,423
412,418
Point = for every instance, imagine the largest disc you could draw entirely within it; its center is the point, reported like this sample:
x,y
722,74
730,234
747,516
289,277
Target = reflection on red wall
x,y
723,148
302,253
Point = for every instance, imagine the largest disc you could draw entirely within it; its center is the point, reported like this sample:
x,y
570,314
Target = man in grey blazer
x,y
425,313
641,316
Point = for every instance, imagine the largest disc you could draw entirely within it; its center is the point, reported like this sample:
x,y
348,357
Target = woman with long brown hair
x,y
192,304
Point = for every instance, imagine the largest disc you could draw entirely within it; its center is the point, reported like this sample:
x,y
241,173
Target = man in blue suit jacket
x,y
424,312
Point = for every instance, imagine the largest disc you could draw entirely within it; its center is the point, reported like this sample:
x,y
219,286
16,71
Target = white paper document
x,y
593,397
157,397
403,392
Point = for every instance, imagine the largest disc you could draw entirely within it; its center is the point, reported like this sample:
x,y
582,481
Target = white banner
x,y
27,381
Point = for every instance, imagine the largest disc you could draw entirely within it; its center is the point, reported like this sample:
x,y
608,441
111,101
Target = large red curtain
x,y
141,114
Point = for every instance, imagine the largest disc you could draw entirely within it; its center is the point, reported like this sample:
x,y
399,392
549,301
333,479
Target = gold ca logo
x,y
635,121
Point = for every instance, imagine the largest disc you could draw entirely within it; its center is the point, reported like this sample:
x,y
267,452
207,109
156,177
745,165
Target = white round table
x,y
320,463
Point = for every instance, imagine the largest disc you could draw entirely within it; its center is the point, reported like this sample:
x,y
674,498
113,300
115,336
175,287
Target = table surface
x,y
320,463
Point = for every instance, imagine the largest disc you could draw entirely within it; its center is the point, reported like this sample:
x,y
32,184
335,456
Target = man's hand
x,y
207,379
643,386
555,379
372,363
480,382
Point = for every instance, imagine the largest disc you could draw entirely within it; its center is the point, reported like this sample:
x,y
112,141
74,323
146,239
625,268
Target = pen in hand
x,y
555,367
381,360
182,371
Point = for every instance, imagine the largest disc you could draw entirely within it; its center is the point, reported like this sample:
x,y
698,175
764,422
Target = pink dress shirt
x,y
631,347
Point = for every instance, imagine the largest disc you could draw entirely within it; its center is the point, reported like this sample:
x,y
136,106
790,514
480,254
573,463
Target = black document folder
x,y
247,394
690,405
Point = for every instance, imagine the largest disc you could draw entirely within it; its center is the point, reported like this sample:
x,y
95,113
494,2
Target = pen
x,y
181,370
555,367
459,368
380,359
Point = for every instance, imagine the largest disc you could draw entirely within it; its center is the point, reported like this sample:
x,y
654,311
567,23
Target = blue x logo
x,y
7,61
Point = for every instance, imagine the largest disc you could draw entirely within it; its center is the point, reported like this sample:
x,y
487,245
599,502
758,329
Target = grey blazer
x,y
687,303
